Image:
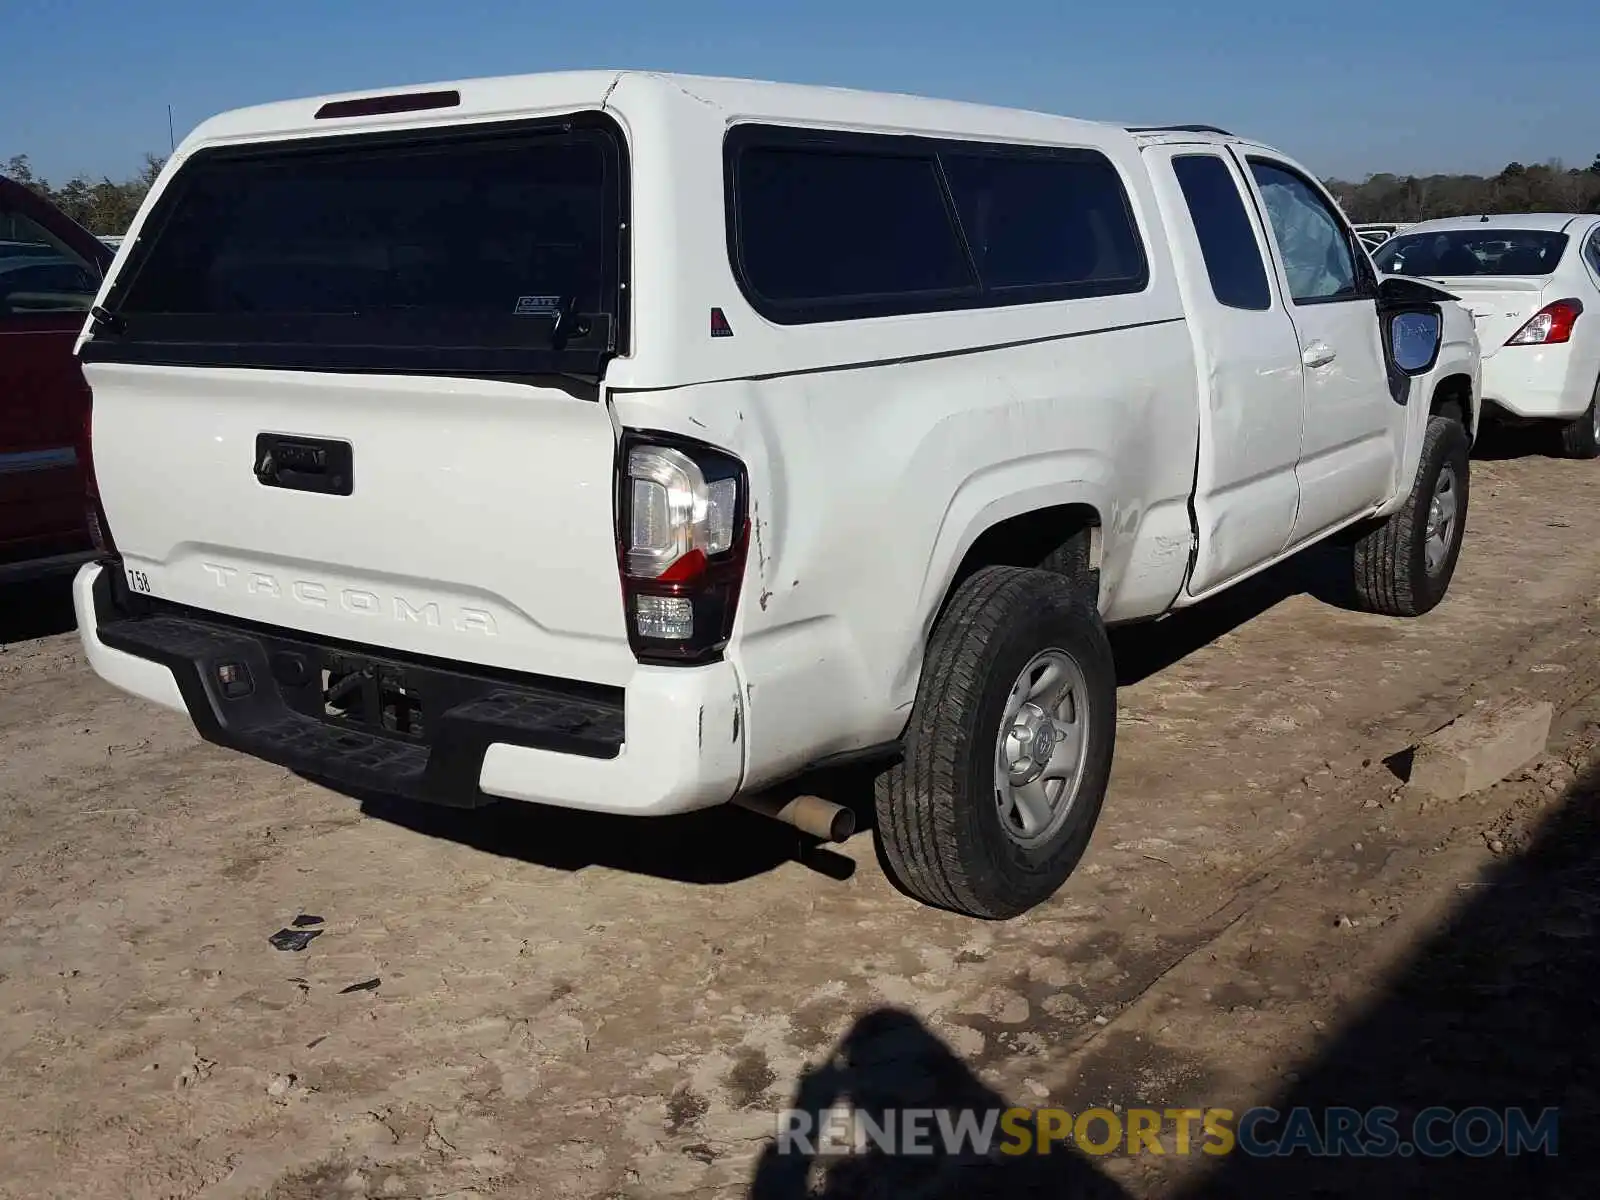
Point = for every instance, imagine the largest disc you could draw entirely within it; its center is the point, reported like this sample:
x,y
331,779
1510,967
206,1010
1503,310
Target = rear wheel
x,y
1009,747
1580,438
1403,567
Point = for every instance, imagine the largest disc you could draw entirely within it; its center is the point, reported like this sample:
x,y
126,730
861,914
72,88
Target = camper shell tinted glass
x,y
470,250
1045,225
829,226
835,227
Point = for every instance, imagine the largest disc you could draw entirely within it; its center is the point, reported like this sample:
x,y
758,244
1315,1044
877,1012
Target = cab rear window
x,y
453,251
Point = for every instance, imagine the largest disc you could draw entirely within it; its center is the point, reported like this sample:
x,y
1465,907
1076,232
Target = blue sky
x,y
1348,89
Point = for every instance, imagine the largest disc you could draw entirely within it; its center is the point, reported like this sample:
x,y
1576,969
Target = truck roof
x,y
512,96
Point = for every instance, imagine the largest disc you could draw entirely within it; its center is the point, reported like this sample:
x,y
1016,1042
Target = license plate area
x,y
373,697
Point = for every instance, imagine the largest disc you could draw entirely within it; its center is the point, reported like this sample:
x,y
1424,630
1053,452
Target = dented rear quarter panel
x,y
869,485
879,450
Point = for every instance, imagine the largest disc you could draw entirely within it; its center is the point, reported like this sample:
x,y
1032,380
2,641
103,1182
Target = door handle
x,y
1318,354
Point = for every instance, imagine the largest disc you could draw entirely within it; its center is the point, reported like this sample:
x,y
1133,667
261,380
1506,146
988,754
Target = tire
x,y
1581,438
1391,562
1071,559
942,830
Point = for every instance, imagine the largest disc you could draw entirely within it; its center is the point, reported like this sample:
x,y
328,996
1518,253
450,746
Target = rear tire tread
x,y
920,801
914,849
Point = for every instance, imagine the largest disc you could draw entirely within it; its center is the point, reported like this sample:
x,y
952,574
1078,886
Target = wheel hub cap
x,y
1029,744
1443,509
1039,754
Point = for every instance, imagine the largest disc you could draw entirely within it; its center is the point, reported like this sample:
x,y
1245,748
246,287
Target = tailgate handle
x,y
304,464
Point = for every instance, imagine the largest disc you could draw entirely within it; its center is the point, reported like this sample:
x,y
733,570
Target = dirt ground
x,y
519,1002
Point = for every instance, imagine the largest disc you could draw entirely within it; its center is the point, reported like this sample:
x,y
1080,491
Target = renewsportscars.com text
x,y
1259,1132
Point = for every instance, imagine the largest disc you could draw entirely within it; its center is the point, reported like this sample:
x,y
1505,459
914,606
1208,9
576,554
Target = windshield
x,y
451,251
1458,252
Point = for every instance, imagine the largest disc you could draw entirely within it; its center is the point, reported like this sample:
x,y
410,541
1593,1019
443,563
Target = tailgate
x,y
478,525
350,385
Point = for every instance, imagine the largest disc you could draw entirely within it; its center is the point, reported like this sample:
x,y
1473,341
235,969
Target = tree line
x,y
105,206
102,206
1549,187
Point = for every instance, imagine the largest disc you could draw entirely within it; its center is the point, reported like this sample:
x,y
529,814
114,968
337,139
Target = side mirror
x,y
1414,339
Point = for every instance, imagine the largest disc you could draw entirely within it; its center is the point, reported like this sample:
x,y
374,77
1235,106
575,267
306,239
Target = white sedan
x,y
1528,282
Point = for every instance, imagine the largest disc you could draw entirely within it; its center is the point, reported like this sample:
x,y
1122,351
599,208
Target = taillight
x,y
682,533
94,511
1552,323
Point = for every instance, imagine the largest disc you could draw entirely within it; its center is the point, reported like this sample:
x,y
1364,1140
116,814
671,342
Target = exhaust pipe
x,y
809,814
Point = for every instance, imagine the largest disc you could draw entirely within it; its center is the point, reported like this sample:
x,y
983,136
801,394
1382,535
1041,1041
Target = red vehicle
x,y
50,270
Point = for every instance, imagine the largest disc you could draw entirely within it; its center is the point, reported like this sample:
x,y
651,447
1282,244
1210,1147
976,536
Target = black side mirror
x,y
1412,323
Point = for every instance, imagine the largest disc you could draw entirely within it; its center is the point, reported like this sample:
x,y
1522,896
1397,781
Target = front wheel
x,y
1009,748
1403,567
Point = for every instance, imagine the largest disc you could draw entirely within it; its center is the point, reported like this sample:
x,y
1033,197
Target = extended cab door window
x,y
1227,239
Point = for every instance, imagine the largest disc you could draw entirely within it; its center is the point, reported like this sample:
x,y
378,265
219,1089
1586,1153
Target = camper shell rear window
x,y
469,250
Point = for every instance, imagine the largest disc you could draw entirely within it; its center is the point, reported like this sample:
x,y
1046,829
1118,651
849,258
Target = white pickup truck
x,y
640,443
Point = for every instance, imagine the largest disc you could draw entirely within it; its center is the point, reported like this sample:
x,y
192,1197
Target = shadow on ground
x,y
1323,572
1499,1010
1497,442
36,609
719,845
890,1063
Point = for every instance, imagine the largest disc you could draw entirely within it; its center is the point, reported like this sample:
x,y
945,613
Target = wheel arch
x,y
1065,538
1452,382
1455,397
1050,525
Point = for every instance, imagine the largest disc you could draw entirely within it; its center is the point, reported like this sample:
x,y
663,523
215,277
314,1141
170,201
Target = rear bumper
x,y
1535,382
671,741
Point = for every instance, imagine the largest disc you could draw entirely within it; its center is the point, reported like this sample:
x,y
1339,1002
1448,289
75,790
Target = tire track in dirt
x,y
1342,924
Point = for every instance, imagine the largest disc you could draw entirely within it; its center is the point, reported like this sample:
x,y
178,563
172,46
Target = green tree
x,y
103,206
20,169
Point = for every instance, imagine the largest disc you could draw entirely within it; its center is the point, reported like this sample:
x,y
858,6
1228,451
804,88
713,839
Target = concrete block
x,y
1480,749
